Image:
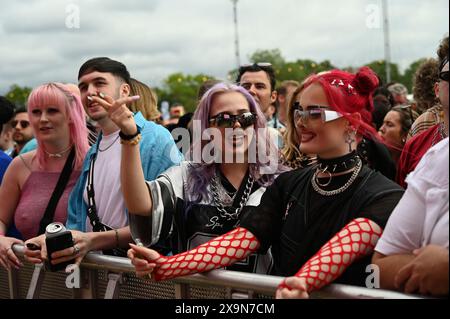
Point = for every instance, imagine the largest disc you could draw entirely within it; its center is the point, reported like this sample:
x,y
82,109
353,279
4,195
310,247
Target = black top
x,y
297,221
188,224
376,155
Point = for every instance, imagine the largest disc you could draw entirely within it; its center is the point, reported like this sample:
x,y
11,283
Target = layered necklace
x,y
350,162
58,154
234,215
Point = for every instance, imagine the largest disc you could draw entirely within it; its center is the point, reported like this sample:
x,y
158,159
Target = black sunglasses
x,y
444,76
23,123
227,121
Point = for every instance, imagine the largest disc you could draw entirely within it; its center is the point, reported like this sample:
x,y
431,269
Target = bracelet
x,y
117,237
129,137
132,142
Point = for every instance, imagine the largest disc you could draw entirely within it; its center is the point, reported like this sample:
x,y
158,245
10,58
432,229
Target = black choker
x,y
338,165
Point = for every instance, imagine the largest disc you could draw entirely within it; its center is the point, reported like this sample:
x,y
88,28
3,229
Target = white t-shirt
x,y
421,216
108,195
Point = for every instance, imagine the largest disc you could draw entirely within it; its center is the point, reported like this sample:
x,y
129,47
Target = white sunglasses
x,y
316,113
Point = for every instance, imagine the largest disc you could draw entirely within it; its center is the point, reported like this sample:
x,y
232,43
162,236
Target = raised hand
x,y
118,111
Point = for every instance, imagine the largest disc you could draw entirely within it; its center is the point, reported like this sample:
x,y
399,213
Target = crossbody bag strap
x,y
57,192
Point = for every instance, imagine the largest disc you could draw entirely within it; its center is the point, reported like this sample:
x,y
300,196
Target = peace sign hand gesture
x,y
118,111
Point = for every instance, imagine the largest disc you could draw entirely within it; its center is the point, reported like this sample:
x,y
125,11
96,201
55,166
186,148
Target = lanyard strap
x,y
97,225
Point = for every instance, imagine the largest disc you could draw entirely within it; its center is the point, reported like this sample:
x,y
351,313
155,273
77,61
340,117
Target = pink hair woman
x,y
58,121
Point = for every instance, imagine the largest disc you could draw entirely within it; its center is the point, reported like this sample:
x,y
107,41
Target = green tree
x,y
18,94
286,70
407,78
182,88
272,56
379,67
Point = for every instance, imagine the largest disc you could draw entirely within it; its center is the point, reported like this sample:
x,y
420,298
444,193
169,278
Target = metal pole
x,y
236,33
387,45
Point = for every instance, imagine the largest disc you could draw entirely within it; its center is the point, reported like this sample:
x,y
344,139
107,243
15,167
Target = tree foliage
x,y
18,95
181,88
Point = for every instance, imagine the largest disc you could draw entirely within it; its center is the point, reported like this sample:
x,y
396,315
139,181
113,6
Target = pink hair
x,y
58,95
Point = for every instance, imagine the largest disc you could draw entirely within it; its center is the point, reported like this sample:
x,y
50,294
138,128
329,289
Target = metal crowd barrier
x,y
113,277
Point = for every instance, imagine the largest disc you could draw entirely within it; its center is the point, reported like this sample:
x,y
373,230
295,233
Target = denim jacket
x,y
158,153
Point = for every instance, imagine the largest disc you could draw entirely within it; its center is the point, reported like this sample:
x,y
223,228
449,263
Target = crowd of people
x,y
312,180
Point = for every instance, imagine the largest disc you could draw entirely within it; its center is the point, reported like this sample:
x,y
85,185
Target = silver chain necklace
x,y
223,212
58,154
109,146
322,192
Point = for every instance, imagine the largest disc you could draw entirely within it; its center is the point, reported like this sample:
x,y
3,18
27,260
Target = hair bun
x,y
365,81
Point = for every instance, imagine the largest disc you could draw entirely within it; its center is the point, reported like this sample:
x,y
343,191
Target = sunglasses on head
x,y
262,65
314,113
227,121
23,123
443,76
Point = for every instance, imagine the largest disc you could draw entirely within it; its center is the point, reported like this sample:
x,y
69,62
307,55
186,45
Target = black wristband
x,y
129,137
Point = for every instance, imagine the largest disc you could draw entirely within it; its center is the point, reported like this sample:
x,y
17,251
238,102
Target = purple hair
x,y
58,95
202,173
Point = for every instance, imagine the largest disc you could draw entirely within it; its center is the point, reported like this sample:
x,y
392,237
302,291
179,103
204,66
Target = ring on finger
x,y
76,250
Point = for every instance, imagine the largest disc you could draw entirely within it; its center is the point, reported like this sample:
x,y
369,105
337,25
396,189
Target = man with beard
x,y
22,130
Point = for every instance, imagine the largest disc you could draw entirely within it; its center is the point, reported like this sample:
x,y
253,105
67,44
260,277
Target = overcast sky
x,y
41,41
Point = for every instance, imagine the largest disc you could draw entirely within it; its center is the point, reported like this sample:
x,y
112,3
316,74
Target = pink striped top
x,y
34,199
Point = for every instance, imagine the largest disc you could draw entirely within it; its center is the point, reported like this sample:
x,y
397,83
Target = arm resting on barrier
x,y
218,253
389,267
85,243
355,240
425,271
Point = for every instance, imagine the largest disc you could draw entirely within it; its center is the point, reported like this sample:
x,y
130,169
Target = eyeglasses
x,y
227,121
23,123
315,113
443,76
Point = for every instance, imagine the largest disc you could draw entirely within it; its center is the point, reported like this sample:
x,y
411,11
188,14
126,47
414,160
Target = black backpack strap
x,y
57,192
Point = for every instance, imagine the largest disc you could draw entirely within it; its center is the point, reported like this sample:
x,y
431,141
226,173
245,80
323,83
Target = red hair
x,y
350,93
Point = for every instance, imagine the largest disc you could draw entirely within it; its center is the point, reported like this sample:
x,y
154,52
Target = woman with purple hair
x,y
233,160
28,191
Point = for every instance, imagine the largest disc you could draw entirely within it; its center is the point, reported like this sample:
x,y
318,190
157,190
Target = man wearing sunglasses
x,y
22,130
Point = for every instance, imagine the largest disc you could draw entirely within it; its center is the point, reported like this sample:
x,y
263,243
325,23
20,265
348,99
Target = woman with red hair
x,y
324,219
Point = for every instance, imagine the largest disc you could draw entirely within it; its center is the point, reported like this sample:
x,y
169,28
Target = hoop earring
x,y
350,139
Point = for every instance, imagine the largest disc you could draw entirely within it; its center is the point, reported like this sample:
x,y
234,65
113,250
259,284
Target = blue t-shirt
x,y
4,162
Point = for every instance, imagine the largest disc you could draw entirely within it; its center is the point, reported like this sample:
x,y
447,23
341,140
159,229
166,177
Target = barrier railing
x,y
113,277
